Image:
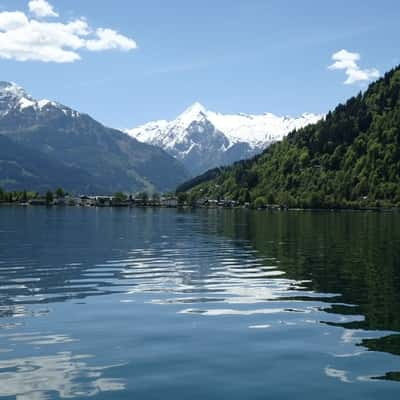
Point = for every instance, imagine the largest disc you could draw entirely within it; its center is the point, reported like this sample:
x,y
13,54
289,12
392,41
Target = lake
x,y
206,304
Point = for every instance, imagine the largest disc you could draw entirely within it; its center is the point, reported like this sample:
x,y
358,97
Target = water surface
x,y
212,304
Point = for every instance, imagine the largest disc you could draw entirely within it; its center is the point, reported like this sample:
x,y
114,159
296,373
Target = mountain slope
x,y
351,158
76,140
22,168
203,139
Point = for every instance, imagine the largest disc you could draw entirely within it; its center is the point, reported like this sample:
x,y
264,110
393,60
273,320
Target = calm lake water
x,y
211,304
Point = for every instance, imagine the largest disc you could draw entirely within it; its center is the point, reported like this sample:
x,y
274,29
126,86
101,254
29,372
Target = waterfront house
x,y
87,201
201,202
37,202
104,201
169,201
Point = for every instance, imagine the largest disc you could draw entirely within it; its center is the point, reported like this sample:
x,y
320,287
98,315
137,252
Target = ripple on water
x,y
191,276
68,375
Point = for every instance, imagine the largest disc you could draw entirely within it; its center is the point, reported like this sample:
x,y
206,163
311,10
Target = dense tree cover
x,y
17,196
349,159
60,193
206,176
120,196
49,197
24,196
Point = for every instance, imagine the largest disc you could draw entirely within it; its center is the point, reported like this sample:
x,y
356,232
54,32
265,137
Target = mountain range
x,y
45,143
351,158
203,139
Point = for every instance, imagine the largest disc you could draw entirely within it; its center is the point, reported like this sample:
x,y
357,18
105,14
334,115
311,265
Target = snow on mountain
x,y
259,130
102,159
10,96
204,139
14,98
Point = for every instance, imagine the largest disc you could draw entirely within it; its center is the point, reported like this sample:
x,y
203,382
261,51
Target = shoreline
x,y
187,207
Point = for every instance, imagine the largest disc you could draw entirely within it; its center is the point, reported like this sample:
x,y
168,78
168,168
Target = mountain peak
x,y
203,139
193,113
196,107
15,98
11,89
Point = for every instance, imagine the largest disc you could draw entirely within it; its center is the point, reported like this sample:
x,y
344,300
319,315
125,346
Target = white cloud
x,y
12,20
25,39
348,61
108,39
41,9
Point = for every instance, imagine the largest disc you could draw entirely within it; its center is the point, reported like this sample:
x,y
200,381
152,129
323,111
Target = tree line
x,y
49,196
25,196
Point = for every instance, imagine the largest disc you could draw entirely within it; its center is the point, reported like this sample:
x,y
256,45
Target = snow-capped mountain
x,y
48,140
204,139
15,100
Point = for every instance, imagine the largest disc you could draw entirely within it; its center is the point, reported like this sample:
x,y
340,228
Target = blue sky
x,y
249,56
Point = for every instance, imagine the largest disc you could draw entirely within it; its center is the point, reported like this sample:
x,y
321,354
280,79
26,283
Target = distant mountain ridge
x,y
108,159
204,139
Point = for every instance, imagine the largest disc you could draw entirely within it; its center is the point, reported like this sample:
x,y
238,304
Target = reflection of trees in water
x,y
353,254
356,255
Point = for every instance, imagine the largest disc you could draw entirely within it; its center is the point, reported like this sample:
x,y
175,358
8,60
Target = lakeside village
x,y
143,199
120,199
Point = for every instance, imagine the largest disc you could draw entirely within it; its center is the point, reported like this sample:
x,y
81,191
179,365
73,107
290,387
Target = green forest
x,y
350,159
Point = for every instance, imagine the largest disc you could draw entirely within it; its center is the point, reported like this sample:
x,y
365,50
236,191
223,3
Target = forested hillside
x,y
349,159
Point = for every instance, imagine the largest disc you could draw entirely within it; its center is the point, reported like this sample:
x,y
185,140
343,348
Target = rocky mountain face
x,y
109,160
204,139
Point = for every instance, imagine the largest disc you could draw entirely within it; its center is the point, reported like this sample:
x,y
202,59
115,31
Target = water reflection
x,y
37,377
67,375
355,255
327,284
